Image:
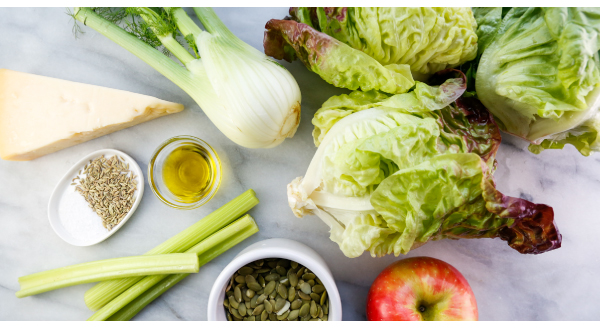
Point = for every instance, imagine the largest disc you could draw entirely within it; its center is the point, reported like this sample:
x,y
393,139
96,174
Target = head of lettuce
x,y
394,172
539,74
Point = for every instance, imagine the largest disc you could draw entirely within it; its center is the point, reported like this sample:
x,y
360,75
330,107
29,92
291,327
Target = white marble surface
x,y
562,284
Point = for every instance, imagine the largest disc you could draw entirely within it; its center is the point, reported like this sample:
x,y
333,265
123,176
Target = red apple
x,y
421,288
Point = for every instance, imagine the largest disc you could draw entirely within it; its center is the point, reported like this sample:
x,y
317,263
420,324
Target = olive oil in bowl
x,y
185,172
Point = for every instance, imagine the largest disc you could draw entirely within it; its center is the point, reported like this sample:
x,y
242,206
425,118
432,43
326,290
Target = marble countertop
x,y
562,284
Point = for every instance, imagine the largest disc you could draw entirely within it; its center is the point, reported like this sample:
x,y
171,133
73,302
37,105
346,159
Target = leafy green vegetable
x,y
394,172
374,48
252,99
539,74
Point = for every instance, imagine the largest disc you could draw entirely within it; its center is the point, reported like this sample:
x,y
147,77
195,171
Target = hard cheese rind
x,y
40,115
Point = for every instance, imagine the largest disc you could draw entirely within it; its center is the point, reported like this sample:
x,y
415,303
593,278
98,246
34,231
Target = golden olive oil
x,y
187,172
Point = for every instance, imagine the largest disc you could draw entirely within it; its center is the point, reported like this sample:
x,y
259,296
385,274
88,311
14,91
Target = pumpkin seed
x,y
282,291
258,310
270,287
296,304
235,313
293,278
242,309
313,309
234,304
323,297
308,276
279,303
304,310
237,292
315,297
274,290
318,289
268,306
303,296
261,299
245,271
305,287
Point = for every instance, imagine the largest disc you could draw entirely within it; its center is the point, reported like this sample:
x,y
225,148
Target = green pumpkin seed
x,y
293,278
229,316
254,286
237,292
300,272
272,316
245,295
249,279
247,306
273,293
261,299
283,316
235,314
313,309
320,315
258,310
261,281
259,263
262,270
251,318
226,303
242,309
283,263
316,297
318,281
304,310
308,276
293,315
240,279
318,289
279,303
305,288
234,304
229,293
311,282
291,294
281,270
268,306
272,304
293,264
303,296
272,264
305,318
323,297
295,305
272,277
326,307
253,301
270,287
282,291
324,317
264,315
245,271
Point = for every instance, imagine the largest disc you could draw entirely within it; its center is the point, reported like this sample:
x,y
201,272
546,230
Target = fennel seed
x,y
108,186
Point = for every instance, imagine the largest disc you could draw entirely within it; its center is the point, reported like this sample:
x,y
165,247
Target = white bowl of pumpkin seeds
x,y
275,279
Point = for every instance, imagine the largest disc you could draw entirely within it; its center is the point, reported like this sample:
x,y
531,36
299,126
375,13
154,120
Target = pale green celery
x,y
102,293
134,307
84,273
206,250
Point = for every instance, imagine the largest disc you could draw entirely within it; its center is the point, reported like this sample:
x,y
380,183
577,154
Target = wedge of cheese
x,y
40,115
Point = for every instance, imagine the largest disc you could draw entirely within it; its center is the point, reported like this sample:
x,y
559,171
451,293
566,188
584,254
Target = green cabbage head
x,y
539,74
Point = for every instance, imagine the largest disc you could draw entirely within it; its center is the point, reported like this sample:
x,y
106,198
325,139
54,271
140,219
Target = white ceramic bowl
x,y
275,248
64,186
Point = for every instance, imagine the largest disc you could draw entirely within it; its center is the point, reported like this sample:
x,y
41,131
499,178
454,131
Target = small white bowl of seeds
x,y
278,280
96,197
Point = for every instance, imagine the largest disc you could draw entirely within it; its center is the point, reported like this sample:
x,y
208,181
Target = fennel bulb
x,y
394,172
252,99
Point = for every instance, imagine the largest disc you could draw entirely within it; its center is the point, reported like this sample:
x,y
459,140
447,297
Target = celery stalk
x,y
134,307
83,273
99,295
206,250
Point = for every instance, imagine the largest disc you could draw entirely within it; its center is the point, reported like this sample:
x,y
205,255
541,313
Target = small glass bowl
x,y
155,174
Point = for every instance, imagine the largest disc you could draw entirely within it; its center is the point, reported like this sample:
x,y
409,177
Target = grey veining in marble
x,y
562,284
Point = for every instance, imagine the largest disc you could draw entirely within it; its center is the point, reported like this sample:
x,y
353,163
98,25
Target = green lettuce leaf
x,y
391,175
539,73
333,60
427,39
